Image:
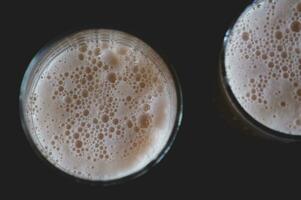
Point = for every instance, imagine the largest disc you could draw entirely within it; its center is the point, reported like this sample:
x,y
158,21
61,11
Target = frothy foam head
x,y
102,105
263,63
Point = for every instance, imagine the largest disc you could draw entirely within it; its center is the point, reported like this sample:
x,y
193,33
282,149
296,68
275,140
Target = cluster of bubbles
x,y
263,61
103,94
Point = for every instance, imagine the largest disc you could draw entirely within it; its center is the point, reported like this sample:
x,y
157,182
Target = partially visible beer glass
x,y
261,68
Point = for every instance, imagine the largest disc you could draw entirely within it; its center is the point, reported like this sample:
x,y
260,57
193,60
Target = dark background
x,y
209,157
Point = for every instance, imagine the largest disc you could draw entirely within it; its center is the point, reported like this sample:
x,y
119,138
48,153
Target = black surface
x,y
208,156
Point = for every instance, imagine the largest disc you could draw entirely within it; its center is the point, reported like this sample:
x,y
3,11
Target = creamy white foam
x,y
102,105
263,63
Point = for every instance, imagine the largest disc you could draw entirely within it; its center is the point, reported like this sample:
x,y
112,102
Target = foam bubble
x,y
264,47
93,116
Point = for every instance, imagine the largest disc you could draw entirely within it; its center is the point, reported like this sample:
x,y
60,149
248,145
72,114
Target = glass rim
x,y
23,96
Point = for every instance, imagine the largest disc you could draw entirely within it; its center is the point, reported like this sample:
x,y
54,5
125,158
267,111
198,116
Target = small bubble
x,y
105,118
100,136
285,75
299,92
112,77
85,93
271,65
86,113
278,35
90,77
81,56
88,70
128,98
254,97
61,88
111,129
83,48
99,64
284,55
115,121
285,68
142,84
67,100
129,124
83,81
136,129
78,144
299,7
96,51
296,26
245,36
298,122
146,107
75,135
144,121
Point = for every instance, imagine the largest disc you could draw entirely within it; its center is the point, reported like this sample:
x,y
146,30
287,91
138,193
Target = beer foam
x,y
103,105
263,63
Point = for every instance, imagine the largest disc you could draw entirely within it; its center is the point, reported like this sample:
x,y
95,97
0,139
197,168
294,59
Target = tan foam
x,y
262,60
102,109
